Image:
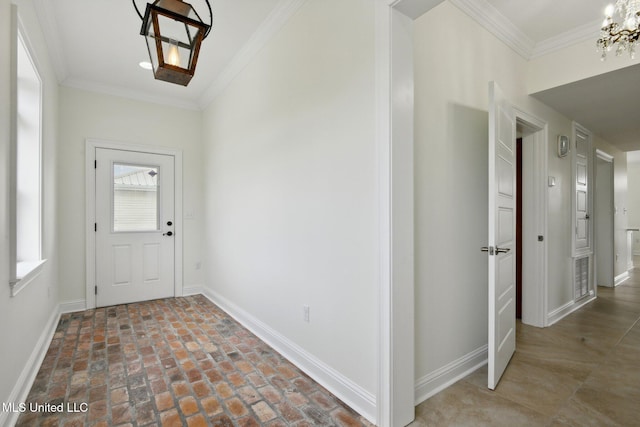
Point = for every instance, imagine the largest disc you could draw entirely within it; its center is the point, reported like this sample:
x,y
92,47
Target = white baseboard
x,y
21,389
346,390
72,306
192,290
565,310
621,278
442,378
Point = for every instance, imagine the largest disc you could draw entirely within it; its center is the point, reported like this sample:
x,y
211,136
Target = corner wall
x,y
291,200
27,319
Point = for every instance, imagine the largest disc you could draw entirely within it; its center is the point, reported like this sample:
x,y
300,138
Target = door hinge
x,y
95,226
95,164
96,290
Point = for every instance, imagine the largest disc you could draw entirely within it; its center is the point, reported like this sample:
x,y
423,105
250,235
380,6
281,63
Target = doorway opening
x,y
604,217
531,220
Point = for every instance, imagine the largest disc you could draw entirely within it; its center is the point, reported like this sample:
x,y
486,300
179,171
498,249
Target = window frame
x,y
24,272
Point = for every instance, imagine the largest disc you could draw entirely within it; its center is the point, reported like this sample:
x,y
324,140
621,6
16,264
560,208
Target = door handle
x,y
502,250
487,249
168,233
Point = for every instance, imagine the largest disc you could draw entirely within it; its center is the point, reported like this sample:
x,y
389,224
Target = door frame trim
x,y
90,209
535,280
602,155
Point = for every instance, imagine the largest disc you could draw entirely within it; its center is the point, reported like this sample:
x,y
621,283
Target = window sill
x,y
26,272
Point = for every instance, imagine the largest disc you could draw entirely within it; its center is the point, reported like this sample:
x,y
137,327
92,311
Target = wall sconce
x,y
563,145
174,32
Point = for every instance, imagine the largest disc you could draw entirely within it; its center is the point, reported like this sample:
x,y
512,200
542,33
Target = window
x,y
135,198
26,166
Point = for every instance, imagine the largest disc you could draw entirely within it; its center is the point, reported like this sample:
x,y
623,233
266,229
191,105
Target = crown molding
x,y
274,22
91,86
46,18
585,32
493,21
496,23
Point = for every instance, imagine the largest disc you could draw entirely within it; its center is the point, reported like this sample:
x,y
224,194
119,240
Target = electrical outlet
x,y
305,309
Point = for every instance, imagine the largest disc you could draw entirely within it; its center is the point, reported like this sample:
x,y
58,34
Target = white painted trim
x,y
597,227
72,306
497,24
576,127
588,31
90,209
21,389
193,290
604,156
441,378
383,102
500,26
284,10
535,286
621,278
565,310
22,281
396,380
346,390
127,93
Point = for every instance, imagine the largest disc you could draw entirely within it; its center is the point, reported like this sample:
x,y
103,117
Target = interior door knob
x,y
168,233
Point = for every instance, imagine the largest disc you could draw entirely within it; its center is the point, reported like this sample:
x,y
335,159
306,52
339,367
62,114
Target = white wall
x,y
91,115
26,318
291,188
633,202
573,63
452,71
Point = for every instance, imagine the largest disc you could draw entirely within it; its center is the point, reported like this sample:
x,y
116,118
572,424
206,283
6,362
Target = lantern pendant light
x,y
174,32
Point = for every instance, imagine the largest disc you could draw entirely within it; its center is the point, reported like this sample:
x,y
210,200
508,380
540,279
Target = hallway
x,y
582,371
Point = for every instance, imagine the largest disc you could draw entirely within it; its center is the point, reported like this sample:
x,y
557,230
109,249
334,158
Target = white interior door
x,y
502,234
582,158
135,195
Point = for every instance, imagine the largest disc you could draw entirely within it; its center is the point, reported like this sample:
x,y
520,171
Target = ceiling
x,y
96,45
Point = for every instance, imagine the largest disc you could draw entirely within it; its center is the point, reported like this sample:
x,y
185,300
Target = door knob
x,y
502,250
169,223
168,233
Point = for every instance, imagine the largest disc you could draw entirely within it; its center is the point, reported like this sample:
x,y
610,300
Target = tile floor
x,y
173,362
582,371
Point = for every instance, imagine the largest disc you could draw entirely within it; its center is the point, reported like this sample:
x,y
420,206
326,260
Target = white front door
x,y
134,226
502,234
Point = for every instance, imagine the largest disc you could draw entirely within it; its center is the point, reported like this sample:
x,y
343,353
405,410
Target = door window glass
x,y
135,198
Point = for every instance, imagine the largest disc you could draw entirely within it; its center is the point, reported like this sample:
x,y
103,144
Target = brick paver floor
x,y
172,362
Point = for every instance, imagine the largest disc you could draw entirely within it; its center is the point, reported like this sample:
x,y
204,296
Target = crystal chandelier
x,y
624,36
